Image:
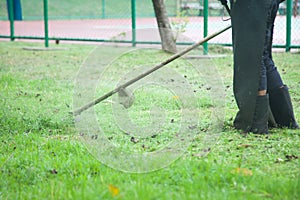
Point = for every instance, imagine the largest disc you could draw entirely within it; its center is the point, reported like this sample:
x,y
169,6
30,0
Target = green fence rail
x,y
121,20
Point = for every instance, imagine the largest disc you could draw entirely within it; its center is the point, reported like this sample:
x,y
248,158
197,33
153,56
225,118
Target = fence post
x,y
205,25
11,17
288,24
133,22
46,23
103,9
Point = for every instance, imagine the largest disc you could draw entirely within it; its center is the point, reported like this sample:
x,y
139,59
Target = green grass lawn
x,y
43,156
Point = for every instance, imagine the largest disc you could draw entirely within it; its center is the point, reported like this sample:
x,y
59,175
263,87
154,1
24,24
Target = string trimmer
x,y
121,90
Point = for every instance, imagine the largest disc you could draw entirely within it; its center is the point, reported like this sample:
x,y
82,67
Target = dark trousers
x,y
270,78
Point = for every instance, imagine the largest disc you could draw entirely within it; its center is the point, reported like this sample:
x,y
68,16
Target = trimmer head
x,y
125,97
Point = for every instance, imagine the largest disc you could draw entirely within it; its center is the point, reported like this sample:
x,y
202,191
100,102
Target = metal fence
x,y
128,21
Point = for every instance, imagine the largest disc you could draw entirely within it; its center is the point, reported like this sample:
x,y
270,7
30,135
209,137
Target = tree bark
x,y
165,30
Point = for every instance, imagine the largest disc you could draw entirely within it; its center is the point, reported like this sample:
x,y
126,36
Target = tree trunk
x,y
165,30
295,8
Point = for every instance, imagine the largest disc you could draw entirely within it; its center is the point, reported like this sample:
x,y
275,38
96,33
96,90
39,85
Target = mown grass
x,y
42,156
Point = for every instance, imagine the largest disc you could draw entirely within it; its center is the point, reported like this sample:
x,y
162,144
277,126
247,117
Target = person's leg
x,y
269,78
279,97
273,77
261,114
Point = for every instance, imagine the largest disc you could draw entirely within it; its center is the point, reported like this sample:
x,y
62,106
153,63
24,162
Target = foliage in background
x,y
179,24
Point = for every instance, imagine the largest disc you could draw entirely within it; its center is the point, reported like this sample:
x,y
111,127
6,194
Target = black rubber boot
x,y
282,108
261,115
271,121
